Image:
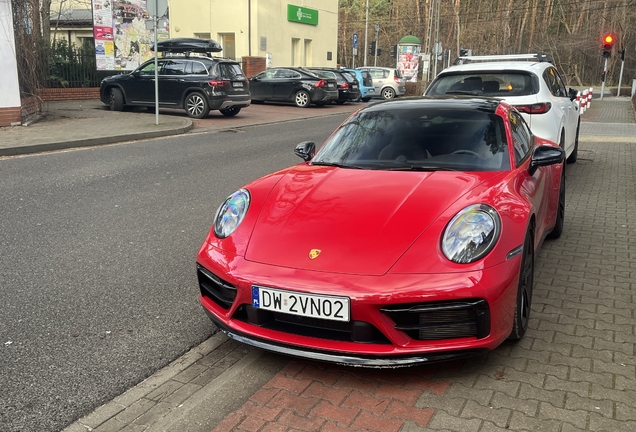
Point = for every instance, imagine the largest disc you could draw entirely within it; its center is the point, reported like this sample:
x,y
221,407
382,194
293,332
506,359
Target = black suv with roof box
x,y
197,84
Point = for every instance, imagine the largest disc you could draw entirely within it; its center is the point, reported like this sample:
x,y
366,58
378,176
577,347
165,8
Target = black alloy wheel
x,y
301,99
524,290
230,112
116,100
560,219
196,105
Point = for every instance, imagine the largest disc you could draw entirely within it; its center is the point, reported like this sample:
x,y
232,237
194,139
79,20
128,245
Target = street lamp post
x,y
155,18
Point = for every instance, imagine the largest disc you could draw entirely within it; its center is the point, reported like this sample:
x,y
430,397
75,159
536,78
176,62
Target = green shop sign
x,y
302,15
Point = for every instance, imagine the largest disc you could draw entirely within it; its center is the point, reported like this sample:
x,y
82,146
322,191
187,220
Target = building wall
x,y
9,85
219,19
313,42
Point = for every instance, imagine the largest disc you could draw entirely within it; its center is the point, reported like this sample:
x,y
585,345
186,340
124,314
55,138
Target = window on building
x,y
295,52
308,53
229,45
202,35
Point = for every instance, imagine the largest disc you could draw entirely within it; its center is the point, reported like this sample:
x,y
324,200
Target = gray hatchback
x,y
387,82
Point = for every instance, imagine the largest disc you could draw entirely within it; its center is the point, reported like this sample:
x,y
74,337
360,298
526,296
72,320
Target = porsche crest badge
x,y
313,254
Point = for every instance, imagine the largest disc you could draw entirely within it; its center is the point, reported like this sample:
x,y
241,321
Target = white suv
x,y
529,82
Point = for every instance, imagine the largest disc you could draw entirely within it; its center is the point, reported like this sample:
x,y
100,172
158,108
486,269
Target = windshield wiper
x,y
337,165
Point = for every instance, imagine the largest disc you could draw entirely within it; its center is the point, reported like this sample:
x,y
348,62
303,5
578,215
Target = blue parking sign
x,y
355,40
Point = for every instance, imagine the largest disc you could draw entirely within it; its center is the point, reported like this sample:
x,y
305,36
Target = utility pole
x,y
366,30
620,78
436,35
375,54
604,78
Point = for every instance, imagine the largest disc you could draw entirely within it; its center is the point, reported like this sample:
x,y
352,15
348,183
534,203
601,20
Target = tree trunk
x,y
45,14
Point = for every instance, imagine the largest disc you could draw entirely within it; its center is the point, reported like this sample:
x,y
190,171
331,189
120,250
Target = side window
x,y
197,68
561,84
550,78
173,67
385,73
148,69
521,137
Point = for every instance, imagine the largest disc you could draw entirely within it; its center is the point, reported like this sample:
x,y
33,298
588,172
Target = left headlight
x,y
471,234
231,213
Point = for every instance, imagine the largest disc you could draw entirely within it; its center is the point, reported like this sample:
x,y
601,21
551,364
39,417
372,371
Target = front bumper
x,y
375,303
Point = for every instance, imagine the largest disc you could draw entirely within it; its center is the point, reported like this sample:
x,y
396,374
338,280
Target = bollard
x,y
589,97
584,101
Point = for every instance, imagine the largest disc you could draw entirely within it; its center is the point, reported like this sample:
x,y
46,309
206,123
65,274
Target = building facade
x,y
286,32
10,103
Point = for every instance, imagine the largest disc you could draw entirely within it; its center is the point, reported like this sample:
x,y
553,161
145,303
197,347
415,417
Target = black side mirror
x,y
545,155
572,93
306,150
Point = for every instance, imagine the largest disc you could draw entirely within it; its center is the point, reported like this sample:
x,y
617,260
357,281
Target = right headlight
x,y
471,234
231,213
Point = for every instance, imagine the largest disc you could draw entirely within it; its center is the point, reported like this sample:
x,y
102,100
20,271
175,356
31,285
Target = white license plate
x,y
330,85
309,305
237,84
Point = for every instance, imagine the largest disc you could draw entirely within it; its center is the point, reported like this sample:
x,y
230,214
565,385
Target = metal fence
x,y
71,67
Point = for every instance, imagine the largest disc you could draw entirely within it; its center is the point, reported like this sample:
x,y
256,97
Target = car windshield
x,y
496,84
419,139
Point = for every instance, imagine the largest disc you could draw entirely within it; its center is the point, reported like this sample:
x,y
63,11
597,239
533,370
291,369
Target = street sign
x,y
355,40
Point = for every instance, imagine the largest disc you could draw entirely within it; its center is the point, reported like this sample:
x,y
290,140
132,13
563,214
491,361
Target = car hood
x,y
356,221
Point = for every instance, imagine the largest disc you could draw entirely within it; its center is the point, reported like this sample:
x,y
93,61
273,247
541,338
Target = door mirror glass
x,y
572,93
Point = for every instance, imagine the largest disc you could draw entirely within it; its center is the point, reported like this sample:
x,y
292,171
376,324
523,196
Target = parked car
x,y
387,82
409,237
529,82
348,87
291,84
365,82
197,84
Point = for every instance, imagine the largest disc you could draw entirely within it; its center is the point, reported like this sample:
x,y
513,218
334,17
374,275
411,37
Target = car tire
x,y
196,105
301,99
388,93
230,112
116,100
366,99
523,304
560,219
575,154
320,104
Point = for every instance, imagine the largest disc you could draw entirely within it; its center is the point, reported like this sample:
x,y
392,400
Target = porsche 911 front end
x,y
400,242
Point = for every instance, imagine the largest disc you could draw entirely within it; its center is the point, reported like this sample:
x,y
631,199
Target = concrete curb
x,y
89,142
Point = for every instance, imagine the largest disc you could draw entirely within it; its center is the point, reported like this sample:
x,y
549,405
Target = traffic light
x,y
372,48
379,52
608,43
393,50
603,76
622,53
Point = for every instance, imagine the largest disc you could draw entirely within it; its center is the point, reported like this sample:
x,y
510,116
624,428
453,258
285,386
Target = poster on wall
x,y
122,41
408,61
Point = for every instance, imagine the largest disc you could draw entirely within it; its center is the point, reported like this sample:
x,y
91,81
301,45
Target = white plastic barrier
x,y
589,97
584,101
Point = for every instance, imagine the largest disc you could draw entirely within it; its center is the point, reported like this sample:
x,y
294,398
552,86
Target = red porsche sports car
x,y
409,237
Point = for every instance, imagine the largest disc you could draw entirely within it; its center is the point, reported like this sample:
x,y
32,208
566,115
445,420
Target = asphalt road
x,y
97,261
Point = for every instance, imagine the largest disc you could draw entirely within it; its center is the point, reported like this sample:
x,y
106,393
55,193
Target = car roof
x,y
534,67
